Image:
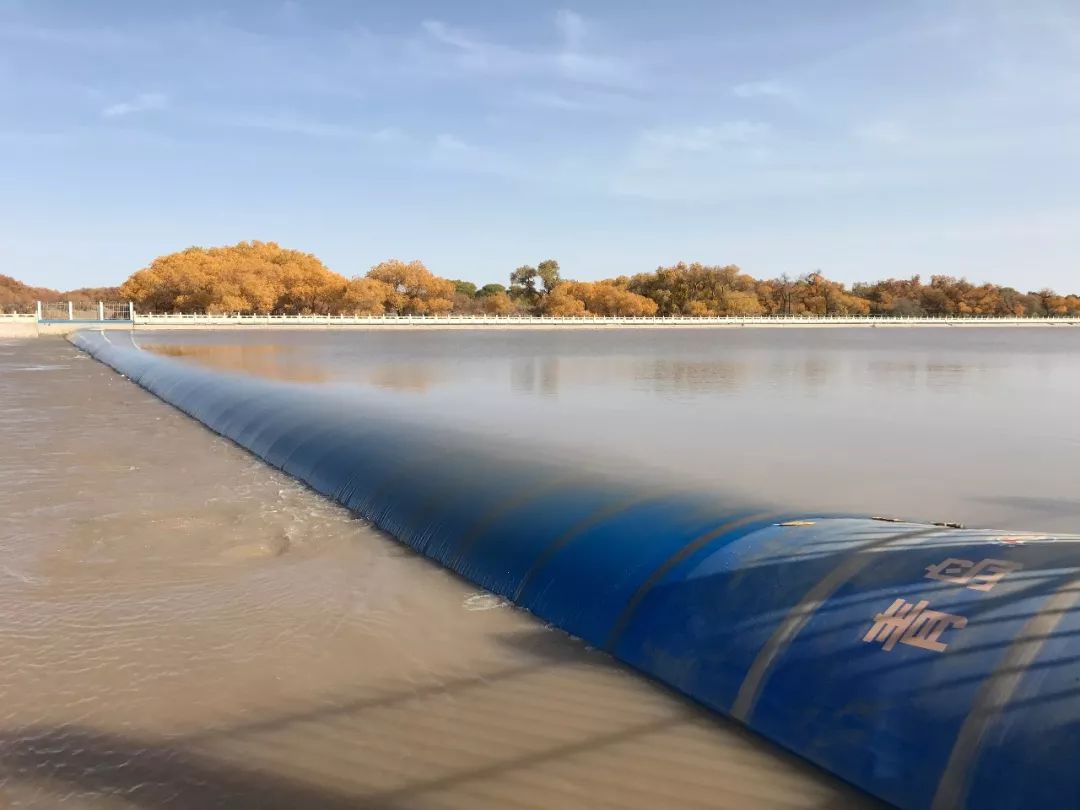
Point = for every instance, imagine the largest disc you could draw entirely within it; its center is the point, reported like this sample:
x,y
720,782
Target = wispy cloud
x,y
290,124
571,26
569,58
91,39
144,102
574,100
889,133
658,148
769,88
451,152
705,138
738,160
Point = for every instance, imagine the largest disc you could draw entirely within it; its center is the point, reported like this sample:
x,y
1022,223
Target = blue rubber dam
x,y
931,665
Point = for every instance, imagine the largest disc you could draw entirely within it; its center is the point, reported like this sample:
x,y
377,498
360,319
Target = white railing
x,y
18,317
202,319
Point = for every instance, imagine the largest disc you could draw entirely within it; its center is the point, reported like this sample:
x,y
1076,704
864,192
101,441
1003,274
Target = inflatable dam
x,y
931,665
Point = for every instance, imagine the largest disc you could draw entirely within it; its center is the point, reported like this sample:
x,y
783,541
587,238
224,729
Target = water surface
x,y
183,627
966,425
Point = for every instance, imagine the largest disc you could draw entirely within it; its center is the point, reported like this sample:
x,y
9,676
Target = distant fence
x,y
238,320
49,311
59,313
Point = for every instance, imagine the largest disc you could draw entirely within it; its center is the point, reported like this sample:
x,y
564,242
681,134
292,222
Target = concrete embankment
x,y
27,327
18,328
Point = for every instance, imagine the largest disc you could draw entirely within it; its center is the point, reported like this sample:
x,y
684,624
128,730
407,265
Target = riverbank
x,y
27,326
185,625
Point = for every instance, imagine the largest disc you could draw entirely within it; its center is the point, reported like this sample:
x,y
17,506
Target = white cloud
x,y
444,141
449,152
569,59
288,123
888,133
691,148
769,88
291,124
386,135
572,27
143,102
450,36
705,138
553,101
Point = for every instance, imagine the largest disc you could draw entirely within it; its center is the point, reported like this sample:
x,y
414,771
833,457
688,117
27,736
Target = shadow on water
x,y
186,772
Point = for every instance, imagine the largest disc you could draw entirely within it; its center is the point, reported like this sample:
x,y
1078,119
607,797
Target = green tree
x,y
490,289
523,283
466,288
548,270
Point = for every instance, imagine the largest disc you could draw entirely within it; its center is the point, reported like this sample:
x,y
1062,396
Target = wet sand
x,y
183,626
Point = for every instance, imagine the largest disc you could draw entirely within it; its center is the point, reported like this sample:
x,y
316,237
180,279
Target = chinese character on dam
x,y
979,576
913,624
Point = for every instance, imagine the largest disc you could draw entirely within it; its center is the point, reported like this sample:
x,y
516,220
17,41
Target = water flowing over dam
x,y
930,665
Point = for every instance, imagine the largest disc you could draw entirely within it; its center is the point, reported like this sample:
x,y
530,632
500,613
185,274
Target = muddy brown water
x,y
976,426
182,626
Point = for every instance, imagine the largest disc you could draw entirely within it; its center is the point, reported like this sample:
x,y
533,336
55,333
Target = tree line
x,y
264,278
18,297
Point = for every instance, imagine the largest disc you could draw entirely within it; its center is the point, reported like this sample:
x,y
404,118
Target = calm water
x,y
183,627
977,426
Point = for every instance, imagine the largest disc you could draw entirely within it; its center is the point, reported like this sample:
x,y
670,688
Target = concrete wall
x,y
67,327
18,327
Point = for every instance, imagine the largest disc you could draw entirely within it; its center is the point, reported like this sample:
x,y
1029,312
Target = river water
x,y
970,425
182,626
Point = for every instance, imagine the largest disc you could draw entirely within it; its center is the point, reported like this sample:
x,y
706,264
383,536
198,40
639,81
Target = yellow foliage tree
x,y
249,277
498,303
414,289
605,298
561,303
366,296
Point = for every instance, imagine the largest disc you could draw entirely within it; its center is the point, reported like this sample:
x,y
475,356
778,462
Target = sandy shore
x,y
185,626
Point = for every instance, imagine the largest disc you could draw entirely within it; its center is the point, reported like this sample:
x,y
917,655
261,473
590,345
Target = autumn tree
x,y
698,289
249,277
824,297
415,290
523,283
18,297
561,303
596,298
498,303
366,296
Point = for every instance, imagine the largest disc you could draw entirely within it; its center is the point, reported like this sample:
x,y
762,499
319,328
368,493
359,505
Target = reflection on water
x,y
271,361
674,375
664,367
536,376
185,627
940,424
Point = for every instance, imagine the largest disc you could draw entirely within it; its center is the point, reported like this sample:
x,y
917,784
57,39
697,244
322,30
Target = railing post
x,y
131,312
37,309
101,310
71,311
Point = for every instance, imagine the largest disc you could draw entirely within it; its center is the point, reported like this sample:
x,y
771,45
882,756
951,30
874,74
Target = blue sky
x,y
866,138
